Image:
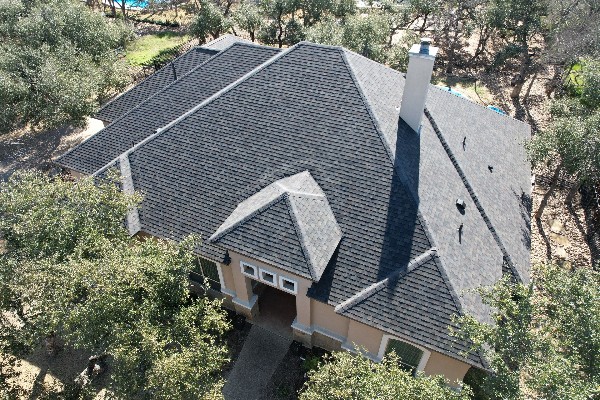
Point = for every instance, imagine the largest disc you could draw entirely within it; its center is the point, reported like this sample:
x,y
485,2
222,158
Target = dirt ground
x,y
29,150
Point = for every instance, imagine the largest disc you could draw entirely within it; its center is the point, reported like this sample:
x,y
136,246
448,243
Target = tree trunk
x,y
252,35
422,29
521,77
280,30
548,194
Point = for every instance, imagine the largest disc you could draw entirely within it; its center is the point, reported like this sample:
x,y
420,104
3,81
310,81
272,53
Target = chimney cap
x,y
425,42
424,49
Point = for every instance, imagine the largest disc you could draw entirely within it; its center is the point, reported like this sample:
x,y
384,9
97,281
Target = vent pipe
x,y
420,66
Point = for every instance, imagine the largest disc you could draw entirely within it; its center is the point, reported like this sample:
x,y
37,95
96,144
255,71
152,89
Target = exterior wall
x,y
324,315
367,337
440,364
317,324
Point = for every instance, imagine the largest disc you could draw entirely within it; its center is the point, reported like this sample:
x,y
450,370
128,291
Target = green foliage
x,y
43,217
58,60
573,137
210,21
248,18
71,269
546,337
344,376
145,49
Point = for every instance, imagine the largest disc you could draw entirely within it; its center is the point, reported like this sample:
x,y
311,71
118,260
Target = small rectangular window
x,y
249,270
409,356
268,277
288,285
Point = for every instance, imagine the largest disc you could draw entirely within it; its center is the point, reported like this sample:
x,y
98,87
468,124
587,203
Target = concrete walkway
x,y
261,354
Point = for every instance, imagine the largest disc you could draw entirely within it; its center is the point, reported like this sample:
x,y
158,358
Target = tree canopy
x,y
545,342
344,376
58,59
70,271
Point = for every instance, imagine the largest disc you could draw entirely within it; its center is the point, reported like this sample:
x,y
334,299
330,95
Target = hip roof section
x,y
154,83
391,191
166,105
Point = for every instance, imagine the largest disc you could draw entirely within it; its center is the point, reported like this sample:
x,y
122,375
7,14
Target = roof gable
x,y
317,231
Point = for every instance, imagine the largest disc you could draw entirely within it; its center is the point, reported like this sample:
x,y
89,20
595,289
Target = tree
x,y
520,23
571,144
277,14
248,18
344,376
210,21
70,272
546,340
58,61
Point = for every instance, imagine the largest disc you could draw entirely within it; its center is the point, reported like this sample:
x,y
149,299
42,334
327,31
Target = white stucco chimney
x,y
420,66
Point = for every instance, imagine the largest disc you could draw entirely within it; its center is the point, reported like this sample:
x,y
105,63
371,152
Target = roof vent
x,y
461,205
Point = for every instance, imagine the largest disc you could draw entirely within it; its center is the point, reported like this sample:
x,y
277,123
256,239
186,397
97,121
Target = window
x,y
408,355
249,270
204,268
288,285
268,277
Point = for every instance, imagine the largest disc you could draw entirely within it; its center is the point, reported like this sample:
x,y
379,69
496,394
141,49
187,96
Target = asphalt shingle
x,y
154,83
166,105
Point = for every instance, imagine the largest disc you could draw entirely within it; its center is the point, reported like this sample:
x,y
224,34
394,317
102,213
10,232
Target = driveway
x,y
261,354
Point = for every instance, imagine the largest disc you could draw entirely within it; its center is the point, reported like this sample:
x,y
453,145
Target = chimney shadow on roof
x,y
404,237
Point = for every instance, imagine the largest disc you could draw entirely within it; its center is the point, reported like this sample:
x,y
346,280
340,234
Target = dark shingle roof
x,y
154,83
305,209
165,106
400,265
223,42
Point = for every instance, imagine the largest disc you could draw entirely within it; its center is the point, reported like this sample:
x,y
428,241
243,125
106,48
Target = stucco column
x,y
302,326
244,301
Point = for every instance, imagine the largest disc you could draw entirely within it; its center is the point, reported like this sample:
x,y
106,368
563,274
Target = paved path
x,y
260,356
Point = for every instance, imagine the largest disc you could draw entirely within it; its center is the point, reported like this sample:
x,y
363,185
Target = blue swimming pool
x,y
136,3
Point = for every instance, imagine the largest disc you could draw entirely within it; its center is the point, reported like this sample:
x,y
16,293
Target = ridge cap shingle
x,y
377,286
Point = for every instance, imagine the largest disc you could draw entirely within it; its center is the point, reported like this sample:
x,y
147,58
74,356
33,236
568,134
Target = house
x,y
353,204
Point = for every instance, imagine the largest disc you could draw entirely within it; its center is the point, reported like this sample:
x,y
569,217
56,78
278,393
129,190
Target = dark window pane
x,y
409,355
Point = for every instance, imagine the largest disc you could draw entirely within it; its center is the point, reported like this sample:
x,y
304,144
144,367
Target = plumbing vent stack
x,y
421,58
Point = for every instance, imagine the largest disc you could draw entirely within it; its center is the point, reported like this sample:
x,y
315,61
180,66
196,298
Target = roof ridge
x,y
133,216
472,193
214,237
377,286
204,103
216,52
294,218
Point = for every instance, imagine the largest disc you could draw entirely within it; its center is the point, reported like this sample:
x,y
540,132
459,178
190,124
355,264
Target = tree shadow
x,y
35,150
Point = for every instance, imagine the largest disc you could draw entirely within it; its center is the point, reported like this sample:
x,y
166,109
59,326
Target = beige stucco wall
x,y
324,316
320,317
440,364
366,336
